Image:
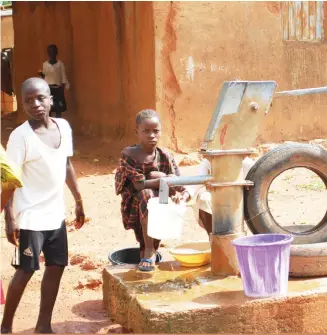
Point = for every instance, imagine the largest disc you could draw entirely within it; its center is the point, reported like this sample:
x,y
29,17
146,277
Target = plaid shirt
x,y
134,203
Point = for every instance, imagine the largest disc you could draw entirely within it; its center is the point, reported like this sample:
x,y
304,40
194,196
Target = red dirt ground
x,y
79,307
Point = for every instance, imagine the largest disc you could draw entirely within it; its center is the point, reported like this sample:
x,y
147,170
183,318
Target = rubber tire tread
x,y
265,170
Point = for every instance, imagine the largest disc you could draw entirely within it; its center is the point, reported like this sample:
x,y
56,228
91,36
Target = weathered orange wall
x,y
125,56
108,50
7,32
222,41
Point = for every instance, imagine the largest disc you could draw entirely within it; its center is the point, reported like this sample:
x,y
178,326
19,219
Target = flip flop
x,y
146,268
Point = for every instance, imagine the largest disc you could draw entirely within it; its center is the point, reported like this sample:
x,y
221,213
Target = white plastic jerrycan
x,y
165,221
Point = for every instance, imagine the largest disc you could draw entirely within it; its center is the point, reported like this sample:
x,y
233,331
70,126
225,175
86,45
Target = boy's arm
x,y
154,182
71,178
204,169
73,187
64,76
147,184
138,180
12,229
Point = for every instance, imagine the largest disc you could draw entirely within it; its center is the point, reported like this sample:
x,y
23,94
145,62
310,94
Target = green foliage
x,y
6,3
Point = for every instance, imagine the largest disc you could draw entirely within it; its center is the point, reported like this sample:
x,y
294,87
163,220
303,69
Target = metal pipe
x,y
227,210
179,181
305,91
227,202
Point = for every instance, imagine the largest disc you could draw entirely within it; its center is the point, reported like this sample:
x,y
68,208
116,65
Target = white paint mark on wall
x,y
190,68
217,68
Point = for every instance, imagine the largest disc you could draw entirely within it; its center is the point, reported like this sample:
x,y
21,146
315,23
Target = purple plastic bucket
x,y
264,261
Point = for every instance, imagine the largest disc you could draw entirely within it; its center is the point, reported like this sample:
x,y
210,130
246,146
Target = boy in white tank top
x,y
35,216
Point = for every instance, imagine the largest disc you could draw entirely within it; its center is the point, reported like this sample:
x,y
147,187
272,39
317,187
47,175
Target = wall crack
x,y
171,85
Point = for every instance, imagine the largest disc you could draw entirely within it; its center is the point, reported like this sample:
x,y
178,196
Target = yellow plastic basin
x,y
192,254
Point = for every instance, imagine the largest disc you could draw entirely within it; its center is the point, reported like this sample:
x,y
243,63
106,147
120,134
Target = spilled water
x,y
185,288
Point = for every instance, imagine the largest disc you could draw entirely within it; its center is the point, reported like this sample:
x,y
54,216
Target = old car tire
x,y
308,260
265,170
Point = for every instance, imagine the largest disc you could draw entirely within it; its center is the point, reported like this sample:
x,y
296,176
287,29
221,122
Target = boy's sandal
x,y
146,268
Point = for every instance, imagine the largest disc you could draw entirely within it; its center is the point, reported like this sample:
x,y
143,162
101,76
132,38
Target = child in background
x,y
138,178
54,74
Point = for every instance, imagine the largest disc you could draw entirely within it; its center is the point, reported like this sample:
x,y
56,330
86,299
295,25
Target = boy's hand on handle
x,y
178,197
12,231
80,216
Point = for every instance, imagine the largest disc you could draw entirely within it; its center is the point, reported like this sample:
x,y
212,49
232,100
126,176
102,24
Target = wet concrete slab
x,y
173,299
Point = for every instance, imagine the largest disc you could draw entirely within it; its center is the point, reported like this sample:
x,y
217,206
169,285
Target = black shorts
x,y
53,244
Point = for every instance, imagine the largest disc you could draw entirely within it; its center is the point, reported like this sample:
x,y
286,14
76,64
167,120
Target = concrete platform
x,y
186,300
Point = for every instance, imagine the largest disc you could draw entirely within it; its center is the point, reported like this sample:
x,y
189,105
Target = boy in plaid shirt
x,y
138,178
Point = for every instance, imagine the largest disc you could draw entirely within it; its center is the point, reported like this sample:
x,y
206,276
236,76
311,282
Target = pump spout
x,y
179,181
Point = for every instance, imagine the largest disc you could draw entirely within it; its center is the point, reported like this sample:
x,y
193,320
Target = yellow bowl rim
x,y
172,251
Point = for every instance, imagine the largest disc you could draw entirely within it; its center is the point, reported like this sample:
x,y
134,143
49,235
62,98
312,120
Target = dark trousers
x,y
59,102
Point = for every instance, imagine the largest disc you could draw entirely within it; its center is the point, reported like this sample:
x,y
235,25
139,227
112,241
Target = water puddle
x,y
187,288
300,285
